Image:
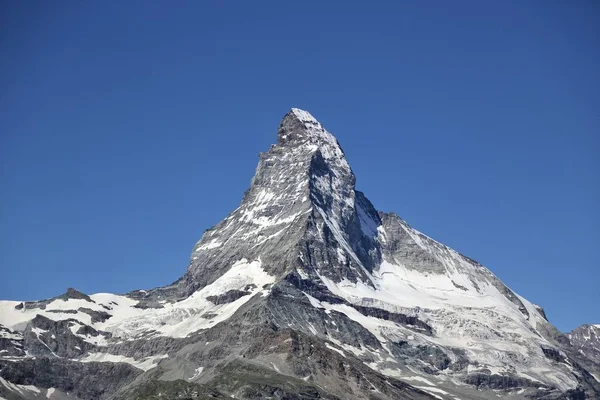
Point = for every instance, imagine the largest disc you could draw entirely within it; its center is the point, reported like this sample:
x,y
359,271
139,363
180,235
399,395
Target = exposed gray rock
x,y
228,297
11,343
87,381
500,382
74,294
431,359
586,340
97,316
48,338
63,311
69,294
553,354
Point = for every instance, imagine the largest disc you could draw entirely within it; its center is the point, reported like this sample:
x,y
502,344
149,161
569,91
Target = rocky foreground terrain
x,y
305,291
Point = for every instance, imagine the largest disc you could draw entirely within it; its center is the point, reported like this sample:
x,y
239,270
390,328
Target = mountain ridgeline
x,y
305,291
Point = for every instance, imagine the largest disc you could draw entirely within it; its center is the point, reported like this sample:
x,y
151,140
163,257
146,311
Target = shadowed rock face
x,y
82,380
305,291
299,182
228,297
11,343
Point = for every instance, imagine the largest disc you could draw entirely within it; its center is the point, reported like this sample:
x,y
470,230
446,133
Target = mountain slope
x,y
586,340
303,291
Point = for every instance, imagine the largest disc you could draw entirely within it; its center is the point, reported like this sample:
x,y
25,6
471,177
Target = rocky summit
x,y
305,291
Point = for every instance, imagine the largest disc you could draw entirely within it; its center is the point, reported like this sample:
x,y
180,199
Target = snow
x,y
394,287
333,225
275,367
463,317
69,304
128,322
321,139
264,221
349,348
145,364
50,392
20,389
185,317
302,274
30,388
367,225
210,245
330,347
419,379
17,319
466,317
304,116
432,391
372,324
395,373
197,373
10,335
38,331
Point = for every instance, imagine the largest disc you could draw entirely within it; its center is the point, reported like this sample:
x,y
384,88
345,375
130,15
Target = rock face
x,y
586,340
305,291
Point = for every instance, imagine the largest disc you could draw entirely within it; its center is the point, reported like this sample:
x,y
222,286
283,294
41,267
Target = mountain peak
x,y
299,127
304,174
303,115
303,133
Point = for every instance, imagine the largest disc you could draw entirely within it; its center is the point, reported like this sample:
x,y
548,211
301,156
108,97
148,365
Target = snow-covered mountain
x,y
586,340
304,291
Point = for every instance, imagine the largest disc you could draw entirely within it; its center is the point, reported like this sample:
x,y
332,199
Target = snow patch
x,y
432,391
419,379
129,322
303,275
10,335
367,225
304,116
38,331
275,367
197,373
330,347
21,389
210,245
144,364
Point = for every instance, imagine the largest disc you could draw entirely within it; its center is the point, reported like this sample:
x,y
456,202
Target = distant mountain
x,y
586,340
305,291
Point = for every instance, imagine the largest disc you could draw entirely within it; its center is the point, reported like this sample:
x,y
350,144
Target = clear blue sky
x,y
128,128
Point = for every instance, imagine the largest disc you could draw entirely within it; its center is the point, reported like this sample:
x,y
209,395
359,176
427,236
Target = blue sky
x,y
129,129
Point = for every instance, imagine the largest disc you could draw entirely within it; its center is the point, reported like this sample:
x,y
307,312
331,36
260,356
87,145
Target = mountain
x,y
305,291
586,340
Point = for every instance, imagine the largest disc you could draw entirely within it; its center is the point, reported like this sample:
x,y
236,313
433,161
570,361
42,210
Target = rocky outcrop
x,y
86,381
586,340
